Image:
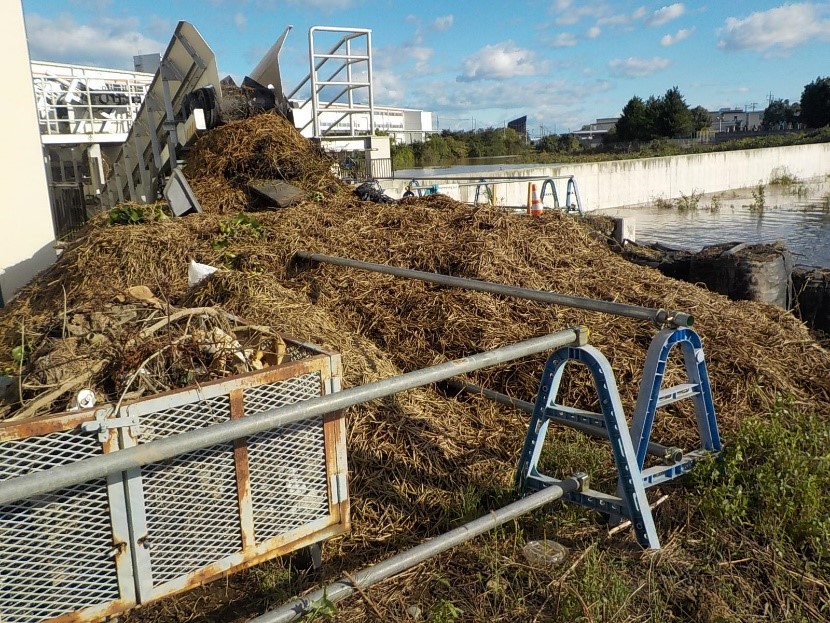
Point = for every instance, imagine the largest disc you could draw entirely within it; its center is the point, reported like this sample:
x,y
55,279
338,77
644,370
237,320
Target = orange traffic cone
x,y
536,207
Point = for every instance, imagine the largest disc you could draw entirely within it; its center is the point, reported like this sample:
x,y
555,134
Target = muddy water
x,y
798,214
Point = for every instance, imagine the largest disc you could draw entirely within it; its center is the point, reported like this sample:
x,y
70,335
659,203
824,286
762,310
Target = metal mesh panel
x,y
55,548
191,501
295,352
287,465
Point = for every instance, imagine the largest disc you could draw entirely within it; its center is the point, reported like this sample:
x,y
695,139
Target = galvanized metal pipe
x,y
657,316
344,587
37,483
655,449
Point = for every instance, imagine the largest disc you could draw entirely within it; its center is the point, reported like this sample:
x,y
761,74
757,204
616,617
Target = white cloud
x,y
389,86
443,23
570,15
403,60
778,30
683,33
622,19
593,32
108,42
666,14
239,20
499,62
564,40
634,67
452,101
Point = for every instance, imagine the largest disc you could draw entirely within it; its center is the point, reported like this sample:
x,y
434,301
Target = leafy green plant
x,y
783,178
444,611
19,354
715,204
663,204
758,197
136,213
239,227
689,202
323,608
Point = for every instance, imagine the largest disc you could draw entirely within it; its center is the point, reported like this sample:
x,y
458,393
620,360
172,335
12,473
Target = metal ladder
x,y
629,447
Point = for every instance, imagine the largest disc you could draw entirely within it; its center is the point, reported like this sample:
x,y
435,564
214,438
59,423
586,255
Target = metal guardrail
x,y
34,484
357,67
573,202
658,316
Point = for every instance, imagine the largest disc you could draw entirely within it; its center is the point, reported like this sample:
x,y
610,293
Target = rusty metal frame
x,y
122,567
127,510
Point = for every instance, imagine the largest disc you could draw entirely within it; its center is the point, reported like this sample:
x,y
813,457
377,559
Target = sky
x,y
477,64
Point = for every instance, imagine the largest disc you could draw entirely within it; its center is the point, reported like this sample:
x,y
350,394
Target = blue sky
x,y
478,64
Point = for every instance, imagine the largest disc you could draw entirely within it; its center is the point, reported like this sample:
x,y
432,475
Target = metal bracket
x,y
103,424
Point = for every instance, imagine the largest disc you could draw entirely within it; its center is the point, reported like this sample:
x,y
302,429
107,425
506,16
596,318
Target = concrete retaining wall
x,y
634,182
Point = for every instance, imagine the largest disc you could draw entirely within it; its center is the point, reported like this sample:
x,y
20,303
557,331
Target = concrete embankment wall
x,y
634,182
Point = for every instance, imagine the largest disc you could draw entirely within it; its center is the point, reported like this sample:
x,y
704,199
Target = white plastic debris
x,y
197,272
84,399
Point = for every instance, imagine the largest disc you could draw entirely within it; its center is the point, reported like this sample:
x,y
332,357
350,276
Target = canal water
x,y
797,214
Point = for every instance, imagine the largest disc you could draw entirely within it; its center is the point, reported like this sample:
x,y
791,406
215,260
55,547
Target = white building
x,y
26,233
84,115
404,125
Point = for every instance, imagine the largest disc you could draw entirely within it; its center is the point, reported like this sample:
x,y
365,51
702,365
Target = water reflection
x,y
798,214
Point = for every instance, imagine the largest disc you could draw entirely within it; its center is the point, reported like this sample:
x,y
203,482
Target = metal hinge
x,y
339,492
103,424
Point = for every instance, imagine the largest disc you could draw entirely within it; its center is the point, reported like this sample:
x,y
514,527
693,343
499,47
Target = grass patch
x,y
774,479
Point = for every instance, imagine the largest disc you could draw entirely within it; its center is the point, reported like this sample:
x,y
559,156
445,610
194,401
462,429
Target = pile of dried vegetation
x,y
422,462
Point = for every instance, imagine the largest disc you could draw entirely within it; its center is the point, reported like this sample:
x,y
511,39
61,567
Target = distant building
x,y
735,120
519,125
592,134
404,125
84,115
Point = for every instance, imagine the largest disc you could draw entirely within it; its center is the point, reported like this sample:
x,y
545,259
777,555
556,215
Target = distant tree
x,y
403,157
700,118
548,143
439,149
780,113
569,143
654,107
815,103
674,118
634,123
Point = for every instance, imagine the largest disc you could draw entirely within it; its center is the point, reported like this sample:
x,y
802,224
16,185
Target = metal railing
x,y
482,185
69,211
340,111
41,482
74,100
